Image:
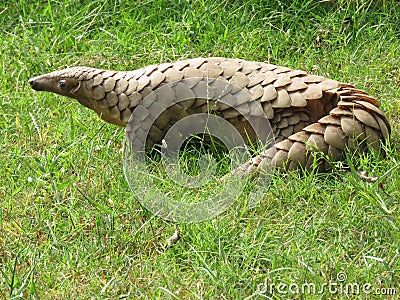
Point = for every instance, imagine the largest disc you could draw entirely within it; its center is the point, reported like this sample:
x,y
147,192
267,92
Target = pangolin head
x,y
68,82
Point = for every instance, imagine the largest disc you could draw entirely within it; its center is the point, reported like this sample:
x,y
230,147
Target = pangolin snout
x,y
34,83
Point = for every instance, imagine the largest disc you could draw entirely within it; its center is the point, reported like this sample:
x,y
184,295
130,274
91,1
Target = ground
x,y
69,226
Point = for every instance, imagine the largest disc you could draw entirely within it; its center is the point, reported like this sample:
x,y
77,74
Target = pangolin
x,y
308,114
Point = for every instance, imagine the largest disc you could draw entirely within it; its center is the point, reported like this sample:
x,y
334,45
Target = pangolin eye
x,y
62,84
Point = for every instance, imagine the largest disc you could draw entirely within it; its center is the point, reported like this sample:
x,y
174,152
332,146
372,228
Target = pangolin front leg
x,y
309,114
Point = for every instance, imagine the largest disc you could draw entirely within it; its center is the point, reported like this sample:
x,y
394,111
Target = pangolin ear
x,y
75,90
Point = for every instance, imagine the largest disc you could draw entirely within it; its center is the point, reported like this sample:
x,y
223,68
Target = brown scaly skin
x,y
308,114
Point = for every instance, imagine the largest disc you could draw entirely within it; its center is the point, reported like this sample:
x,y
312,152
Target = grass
x,y
69,225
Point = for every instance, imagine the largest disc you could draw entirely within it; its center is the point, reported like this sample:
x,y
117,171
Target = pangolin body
x,y
309,114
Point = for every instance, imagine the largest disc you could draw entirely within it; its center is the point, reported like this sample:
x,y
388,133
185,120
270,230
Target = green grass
x,y
69,226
